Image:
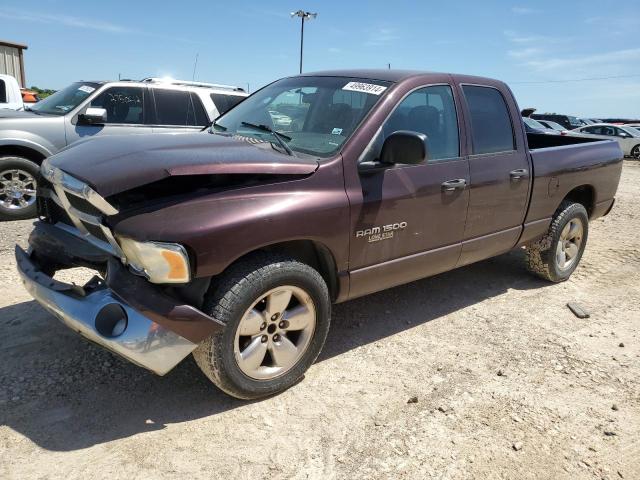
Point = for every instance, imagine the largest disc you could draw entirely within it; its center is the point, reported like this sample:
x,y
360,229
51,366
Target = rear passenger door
x,y
499,171
178,111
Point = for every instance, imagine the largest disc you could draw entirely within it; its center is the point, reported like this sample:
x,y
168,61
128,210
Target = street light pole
x,y
303,16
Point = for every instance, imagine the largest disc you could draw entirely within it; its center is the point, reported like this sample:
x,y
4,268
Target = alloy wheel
x,y
275,332
17,189
569,244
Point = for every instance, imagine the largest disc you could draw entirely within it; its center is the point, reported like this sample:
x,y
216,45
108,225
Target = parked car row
x,y
627,135
87,109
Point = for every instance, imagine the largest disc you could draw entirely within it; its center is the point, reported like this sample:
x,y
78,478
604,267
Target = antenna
x,y
195,64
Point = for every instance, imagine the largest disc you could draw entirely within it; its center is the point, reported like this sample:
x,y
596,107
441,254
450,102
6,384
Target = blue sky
x,y
256,42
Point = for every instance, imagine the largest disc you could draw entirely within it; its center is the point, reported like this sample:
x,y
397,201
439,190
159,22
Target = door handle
x,y
452,185
519,174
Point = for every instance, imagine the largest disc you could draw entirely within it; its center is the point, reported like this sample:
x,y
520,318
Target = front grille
x,y
72,202
83,206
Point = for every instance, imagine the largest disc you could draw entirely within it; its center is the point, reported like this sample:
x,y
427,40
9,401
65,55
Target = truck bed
x,y
564,163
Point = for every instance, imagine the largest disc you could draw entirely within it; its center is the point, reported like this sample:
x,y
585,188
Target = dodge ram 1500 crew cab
x,y
233,243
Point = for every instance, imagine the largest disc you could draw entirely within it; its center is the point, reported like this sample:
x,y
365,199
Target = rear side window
x,y
491,128
175,107
225,103
3,92
197,115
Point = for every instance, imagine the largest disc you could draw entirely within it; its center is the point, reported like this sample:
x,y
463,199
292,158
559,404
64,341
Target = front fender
x,y
220,228
16,138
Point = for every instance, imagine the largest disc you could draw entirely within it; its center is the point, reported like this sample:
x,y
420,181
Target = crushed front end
x,y
119,308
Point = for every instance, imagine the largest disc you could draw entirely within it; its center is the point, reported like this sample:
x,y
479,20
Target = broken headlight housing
x,y
158,262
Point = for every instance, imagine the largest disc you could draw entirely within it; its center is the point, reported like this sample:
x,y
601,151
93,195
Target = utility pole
x,y
303,16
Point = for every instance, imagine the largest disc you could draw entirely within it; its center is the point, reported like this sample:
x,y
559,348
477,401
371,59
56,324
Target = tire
x,y
244,298
635,152
546,256
18,176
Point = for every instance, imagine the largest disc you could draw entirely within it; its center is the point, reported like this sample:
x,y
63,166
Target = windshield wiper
x,y
212,124
280,137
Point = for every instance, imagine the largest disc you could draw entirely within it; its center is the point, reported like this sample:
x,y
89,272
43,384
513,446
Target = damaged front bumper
x,y
123,313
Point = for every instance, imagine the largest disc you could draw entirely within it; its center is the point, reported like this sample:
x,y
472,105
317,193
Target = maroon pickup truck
x,y
233,243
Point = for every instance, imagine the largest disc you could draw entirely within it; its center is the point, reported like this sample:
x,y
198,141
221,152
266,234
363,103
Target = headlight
x,y
160,262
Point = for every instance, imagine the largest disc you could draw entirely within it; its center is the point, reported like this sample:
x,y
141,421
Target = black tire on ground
x,y
635,152
541,255
7,164
240,287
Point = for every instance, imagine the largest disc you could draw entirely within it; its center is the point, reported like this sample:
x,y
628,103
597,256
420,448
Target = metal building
x,y
12,60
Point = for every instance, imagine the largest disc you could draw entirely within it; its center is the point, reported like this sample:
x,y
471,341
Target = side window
x,y
3,92
197,114
225,102
174,107
491,127
431,111
123,104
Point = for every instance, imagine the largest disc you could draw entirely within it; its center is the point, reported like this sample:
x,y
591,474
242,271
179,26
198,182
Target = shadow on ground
x,y
72,394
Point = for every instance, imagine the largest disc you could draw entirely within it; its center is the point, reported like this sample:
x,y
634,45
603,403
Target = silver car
x,y
627,137
87,109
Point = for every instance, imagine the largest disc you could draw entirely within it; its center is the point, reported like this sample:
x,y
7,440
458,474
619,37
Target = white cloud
x,y
66,20
334,50
381,36
523,10
524,52
614,59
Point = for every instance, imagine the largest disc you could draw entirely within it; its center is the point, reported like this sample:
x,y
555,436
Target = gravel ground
x,y
482,372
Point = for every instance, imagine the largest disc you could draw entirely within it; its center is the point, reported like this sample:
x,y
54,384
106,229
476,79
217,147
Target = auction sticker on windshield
x,y
86,88
364,87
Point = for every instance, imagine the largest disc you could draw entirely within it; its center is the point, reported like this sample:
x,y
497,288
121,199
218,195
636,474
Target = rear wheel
x,y
556,255
17,188
276,313
635,152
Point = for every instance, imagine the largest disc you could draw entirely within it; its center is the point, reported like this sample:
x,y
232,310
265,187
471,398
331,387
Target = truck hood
x,y
115,164
8,113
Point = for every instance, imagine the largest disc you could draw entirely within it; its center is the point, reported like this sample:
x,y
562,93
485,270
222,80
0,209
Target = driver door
x,y
126,114
409,220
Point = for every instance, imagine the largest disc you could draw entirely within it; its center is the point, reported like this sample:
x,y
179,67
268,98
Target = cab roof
x,y
397,76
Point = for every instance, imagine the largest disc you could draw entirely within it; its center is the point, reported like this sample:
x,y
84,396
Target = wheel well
x,y
315,255
584,195
20,151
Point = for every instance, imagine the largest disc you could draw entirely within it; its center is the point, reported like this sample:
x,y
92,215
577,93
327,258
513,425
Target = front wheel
x,y
635,152
17,188
556,255
276,312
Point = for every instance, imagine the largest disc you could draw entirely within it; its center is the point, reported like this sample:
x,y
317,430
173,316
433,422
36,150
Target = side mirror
x,y
624,135
93,116
405,147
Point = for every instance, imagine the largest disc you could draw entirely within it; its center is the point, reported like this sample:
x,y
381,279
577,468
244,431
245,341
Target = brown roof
x,y
13,44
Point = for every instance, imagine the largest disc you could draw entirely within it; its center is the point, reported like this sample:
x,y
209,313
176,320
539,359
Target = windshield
x,y
66,99
315,115
631,131
533,123
554,125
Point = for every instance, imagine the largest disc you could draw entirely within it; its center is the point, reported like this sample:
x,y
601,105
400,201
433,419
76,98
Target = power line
x,y
576,80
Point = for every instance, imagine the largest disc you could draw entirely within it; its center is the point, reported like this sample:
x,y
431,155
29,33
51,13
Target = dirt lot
x,y
509,384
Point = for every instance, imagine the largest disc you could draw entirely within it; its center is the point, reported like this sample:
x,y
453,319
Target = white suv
x,y
86,109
